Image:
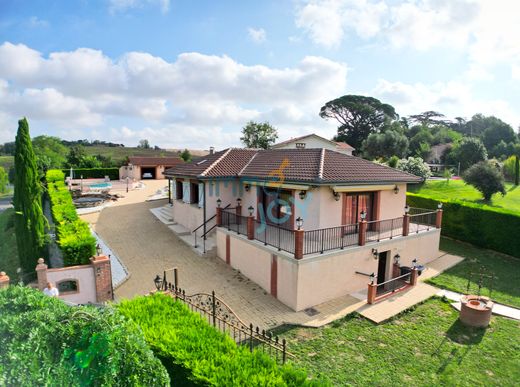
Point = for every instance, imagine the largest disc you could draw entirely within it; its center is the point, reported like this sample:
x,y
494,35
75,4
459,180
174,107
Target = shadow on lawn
x,y
465,337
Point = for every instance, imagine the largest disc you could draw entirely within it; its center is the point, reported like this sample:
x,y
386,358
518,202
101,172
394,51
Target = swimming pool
x,y
101,185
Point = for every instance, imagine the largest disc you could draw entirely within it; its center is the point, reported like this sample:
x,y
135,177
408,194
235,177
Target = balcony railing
x,y
301,243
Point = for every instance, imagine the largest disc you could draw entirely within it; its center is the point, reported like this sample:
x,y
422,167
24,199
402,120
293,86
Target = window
x,y
68,286
178,189
300,145
194,192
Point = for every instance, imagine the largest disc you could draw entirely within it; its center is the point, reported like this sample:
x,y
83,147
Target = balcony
x,y
301,243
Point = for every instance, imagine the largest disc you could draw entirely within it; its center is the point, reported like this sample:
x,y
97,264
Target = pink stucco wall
x,y
392,205
85,277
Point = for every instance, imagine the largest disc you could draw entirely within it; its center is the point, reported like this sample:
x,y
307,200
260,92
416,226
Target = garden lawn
x,y
425,346
8,252
457,189
506,269
6,162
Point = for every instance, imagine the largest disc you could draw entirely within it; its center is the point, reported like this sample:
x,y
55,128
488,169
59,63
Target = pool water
x,y
101,185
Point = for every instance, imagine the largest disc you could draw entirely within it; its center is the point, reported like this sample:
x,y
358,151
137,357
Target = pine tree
x,y
29,220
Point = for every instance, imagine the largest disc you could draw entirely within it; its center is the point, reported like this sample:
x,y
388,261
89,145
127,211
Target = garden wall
x,y
490,228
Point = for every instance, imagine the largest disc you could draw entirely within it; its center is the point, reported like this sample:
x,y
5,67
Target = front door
x,y
278,207
381,268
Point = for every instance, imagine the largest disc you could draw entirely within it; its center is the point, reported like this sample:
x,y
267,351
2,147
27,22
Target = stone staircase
x,y
164,214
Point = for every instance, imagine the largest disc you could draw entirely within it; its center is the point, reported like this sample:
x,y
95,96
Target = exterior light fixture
x,y
219,202
396,189
239,202
251,210
363,215
397,258
414,263
247,187
375,253
299,222
98,249
439,206
158,282
337,196
372,277
302,194
406,209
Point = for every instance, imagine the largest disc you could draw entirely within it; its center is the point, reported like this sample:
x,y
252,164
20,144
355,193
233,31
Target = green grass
x,y
422,347
6,162
118,154
8,252
457,189
506,269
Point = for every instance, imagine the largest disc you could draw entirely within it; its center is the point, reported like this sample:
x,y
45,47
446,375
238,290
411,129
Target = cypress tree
x,y
29,221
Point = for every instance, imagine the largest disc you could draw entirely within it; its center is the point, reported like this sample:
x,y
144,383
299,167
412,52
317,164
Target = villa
x,y
307,225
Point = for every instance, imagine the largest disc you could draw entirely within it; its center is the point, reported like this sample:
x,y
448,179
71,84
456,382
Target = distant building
x,y
140,168
313,141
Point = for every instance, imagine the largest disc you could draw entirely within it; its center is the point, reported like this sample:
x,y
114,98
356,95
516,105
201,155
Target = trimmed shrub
x,y
94,173
475,223
193,351
72,234
44,342
486,178
416,166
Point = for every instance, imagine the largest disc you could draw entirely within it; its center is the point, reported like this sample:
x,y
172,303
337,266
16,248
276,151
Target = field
x,y
457,189
8,253
424,346
118,154
6,162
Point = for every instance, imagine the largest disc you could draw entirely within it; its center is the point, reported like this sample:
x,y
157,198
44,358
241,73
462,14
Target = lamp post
x,y
219,202
251,210
127,181
158,282
299,223
99,250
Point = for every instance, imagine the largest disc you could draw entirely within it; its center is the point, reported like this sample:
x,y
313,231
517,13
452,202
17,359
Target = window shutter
x,y
186,191
173,188
201,195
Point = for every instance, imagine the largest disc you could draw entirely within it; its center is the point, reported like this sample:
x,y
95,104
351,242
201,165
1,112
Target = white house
x,y
313,141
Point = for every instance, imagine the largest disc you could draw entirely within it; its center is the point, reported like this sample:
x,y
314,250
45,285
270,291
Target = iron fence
x,y
218,314
274,235
332,238
234,222
422,222
379,230
393,285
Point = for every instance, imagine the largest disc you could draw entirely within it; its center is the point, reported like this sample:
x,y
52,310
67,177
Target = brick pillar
x,y
298,244
438,219
4,280
219,216
362,236
239,213
250,228
414,275
371,296
103,277
41,272
396,270
406,224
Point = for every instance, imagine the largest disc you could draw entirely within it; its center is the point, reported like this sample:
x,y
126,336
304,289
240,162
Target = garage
x,y
147,168
148,173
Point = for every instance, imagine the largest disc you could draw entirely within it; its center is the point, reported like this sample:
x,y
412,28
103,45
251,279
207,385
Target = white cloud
x,y
124,5
36,22
194,94
257,35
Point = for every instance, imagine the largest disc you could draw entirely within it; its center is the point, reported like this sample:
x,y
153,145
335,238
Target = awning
x,y
363,188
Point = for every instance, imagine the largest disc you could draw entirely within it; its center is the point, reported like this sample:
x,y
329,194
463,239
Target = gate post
x,y
372,290
219,216
438,218
362,236
250,227
406,224
414,275
298,244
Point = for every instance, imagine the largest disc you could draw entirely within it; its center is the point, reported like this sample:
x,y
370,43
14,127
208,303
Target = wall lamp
x,y
397,259
372,277
375,253
158,282
247,187
414,263
439,206
363,215
302,194
337,196
406,209
396,189
251,210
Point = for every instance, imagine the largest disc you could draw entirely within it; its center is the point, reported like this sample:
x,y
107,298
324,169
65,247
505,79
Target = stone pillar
x,y
219,216
396,270
4,280
406,224
298,244
414,275
238,211
103,277
371,295
362,236
41,272
250,228
438,219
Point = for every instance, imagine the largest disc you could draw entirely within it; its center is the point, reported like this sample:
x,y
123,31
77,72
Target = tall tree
x,y
390,142
75,156
467,152
429,118
145,144
185,155
50,152
358,116
258,135
29,221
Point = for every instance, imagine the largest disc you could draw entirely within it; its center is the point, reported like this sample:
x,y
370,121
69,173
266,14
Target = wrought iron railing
x,y
218,314
234,222
422,222
207,227
379,230
393,285
332,238
274,235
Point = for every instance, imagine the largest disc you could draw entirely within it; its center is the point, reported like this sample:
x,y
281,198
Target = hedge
x,y
72,234
195,353
93,173
44,342
490,228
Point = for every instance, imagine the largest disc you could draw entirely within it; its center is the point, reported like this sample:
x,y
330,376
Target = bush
x,y
486,178
474,223
192,350
72,234
43,341
94,173
416,166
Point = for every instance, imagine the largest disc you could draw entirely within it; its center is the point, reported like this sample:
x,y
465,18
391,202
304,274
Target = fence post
x,y
414,275
438,219
372,291
175,278
322,240
298,243
406,224
284,347
251,227
4,279
251,337
214,308
362,236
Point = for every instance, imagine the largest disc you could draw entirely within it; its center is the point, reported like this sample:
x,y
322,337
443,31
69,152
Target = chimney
x,y
211,150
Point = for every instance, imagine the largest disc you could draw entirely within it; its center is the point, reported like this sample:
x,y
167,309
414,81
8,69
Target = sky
x,y
193,73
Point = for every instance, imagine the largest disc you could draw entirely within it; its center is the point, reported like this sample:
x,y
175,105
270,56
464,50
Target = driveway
x,y
5,203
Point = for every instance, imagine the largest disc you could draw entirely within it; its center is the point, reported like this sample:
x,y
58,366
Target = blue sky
x,y
191,73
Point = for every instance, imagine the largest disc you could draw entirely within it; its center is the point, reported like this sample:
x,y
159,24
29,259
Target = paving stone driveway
x,y
147,247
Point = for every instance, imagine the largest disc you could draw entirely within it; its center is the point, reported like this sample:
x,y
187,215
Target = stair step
x,y
179,229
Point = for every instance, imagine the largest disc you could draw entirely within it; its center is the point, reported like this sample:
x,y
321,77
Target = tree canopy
x,y
258,135
185,155
467,152
391,142
358,116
